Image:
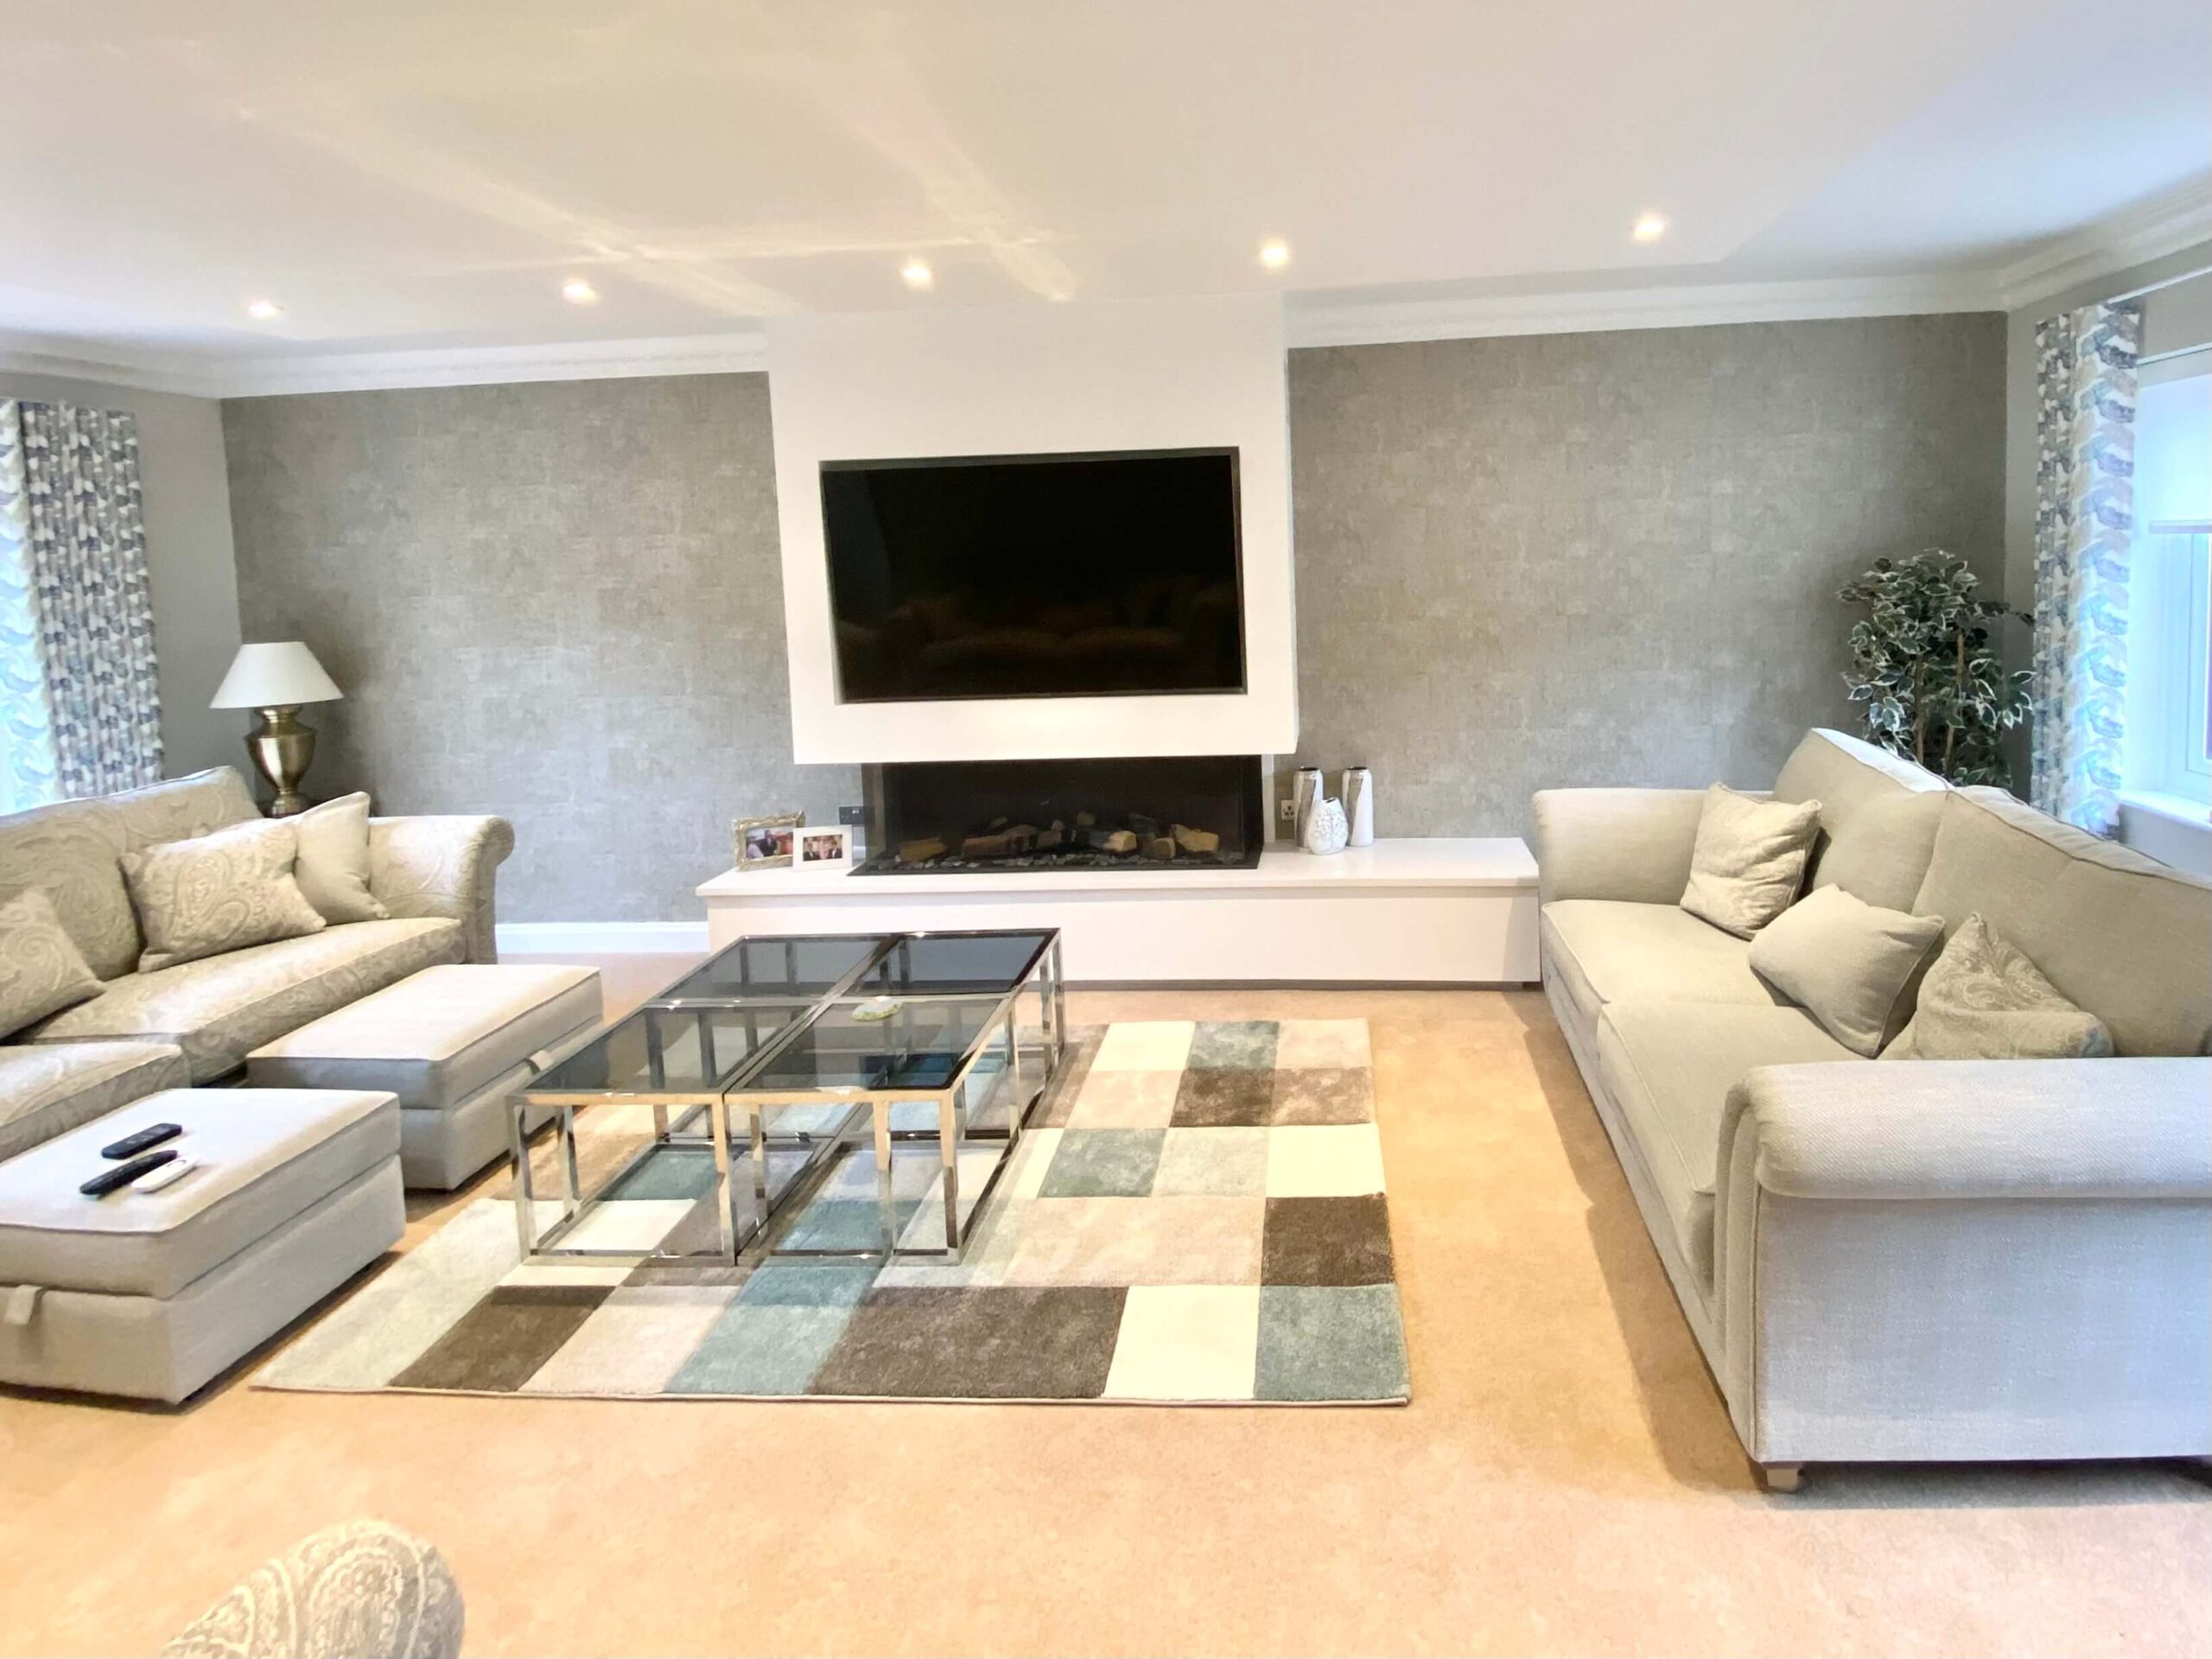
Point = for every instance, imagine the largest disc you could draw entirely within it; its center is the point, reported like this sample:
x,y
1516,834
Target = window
x,y
2170,698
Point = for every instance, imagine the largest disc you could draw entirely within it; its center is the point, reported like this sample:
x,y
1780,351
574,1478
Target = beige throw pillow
x,y
333,870
42,971
1850,965
217,892
1984,1001
1750,859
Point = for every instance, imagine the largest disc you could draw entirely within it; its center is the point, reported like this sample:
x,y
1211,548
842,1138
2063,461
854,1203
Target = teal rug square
x,y
1331,1342
1103,1164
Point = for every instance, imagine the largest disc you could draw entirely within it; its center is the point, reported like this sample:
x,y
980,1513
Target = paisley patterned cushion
x,y
362,1587
219,1009
41,970
1983,1000
218,892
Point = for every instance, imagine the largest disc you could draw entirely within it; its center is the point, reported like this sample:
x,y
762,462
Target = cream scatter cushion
x,y
333,870
218,892
1750,859
42,969
1983,1000
1853,966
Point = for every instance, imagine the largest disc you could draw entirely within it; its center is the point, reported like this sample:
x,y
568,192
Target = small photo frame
x,y
823,846
766,844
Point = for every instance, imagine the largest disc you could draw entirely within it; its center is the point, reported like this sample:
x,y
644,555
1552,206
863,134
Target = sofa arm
x,y
1961,1261
1630,844
360,1587
1886,1130
440,866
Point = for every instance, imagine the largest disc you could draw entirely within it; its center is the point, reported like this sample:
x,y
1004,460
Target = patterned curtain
x,y
2084,519
79,708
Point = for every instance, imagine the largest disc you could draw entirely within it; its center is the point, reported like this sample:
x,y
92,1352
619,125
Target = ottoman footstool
x,y
153,1293
453,1042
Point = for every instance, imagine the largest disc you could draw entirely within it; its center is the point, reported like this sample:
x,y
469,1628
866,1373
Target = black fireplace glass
x,y
1136,813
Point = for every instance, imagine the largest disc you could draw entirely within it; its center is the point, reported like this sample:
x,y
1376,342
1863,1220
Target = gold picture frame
x,y
766,844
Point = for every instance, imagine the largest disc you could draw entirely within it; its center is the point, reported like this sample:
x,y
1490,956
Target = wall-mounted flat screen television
x,y
1054,576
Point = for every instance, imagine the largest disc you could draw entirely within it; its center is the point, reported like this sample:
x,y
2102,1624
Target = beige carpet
x,y
1565,1479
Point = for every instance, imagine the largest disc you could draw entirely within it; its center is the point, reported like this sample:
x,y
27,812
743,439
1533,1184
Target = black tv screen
x,y
1035,575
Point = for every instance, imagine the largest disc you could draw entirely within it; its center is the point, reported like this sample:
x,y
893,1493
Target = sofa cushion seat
x,y
1610,951
263,1155
48,1088
1669,1067
219,1009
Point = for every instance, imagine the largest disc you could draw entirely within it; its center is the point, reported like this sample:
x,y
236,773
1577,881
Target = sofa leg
x,y
1782,1476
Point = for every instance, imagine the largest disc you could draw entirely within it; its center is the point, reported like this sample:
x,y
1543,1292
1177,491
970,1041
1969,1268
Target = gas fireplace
x,y
1181,811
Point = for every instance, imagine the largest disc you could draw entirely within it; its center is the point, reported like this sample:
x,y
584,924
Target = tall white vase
x,y
1359,805
1306,794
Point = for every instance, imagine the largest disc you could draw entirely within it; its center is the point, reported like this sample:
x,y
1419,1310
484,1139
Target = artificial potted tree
x,y
1923,663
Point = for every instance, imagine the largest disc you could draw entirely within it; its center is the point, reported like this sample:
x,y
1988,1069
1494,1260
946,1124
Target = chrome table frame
x,y
755,1231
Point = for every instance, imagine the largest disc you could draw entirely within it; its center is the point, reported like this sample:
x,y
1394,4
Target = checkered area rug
x,y
1196,1214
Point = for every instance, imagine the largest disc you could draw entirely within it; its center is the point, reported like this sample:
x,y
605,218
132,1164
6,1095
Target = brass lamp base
x,y
281,747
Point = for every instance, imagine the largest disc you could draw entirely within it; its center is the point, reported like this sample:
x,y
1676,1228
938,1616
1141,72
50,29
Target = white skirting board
x,y
1428,912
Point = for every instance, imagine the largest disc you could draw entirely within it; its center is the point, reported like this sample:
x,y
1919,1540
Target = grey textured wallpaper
x,y
1561,559
560,601
1612,558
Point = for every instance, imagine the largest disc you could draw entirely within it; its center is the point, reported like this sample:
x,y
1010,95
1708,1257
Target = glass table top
x,y
767,1013
920,1043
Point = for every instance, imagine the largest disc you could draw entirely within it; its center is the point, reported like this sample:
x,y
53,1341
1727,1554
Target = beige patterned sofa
x,y
360,1588
197,1020
1906,1260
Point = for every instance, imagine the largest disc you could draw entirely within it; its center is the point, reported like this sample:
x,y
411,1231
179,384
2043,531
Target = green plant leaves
x,y
1923,663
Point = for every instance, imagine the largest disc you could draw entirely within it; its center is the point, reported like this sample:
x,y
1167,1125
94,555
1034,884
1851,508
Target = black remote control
x,y
122,1174
152,1135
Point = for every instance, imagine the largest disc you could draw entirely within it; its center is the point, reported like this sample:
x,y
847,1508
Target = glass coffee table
x,y
705,1123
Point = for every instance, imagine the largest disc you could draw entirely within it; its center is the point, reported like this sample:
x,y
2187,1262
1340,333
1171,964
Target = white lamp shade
x,y
274,676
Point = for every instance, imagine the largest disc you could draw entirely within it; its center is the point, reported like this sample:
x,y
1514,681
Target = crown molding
x,y
2180,220
1366,321
735,353
107,367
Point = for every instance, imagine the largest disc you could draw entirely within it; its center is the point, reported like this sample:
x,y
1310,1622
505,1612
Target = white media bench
x,y
1431,911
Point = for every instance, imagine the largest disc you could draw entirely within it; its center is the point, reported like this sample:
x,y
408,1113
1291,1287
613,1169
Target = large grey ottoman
x,y
153,1293
453,1042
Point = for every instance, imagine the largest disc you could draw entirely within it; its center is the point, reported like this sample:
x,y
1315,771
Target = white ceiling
x,y
422,174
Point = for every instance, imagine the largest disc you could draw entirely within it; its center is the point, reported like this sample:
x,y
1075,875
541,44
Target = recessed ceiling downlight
x,y
1274,254
917,274
263,310
576,291
1649,227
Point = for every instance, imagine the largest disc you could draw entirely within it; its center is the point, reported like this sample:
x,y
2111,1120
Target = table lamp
x,y
276,679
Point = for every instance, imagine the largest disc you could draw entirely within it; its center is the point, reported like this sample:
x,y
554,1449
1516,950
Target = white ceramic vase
x,y
1306,795
1359,805
1325,829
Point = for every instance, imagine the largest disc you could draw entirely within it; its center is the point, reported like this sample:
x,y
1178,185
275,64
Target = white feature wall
x,y
1171,374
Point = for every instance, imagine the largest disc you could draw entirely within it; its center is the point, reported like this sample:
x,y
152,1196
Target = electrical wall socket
x,y
1289,810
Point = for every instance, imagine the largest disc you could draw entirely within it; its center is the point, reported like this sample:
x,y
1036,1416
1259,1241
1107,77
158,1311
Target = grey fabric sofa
x,y
1906,1260
197,1020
